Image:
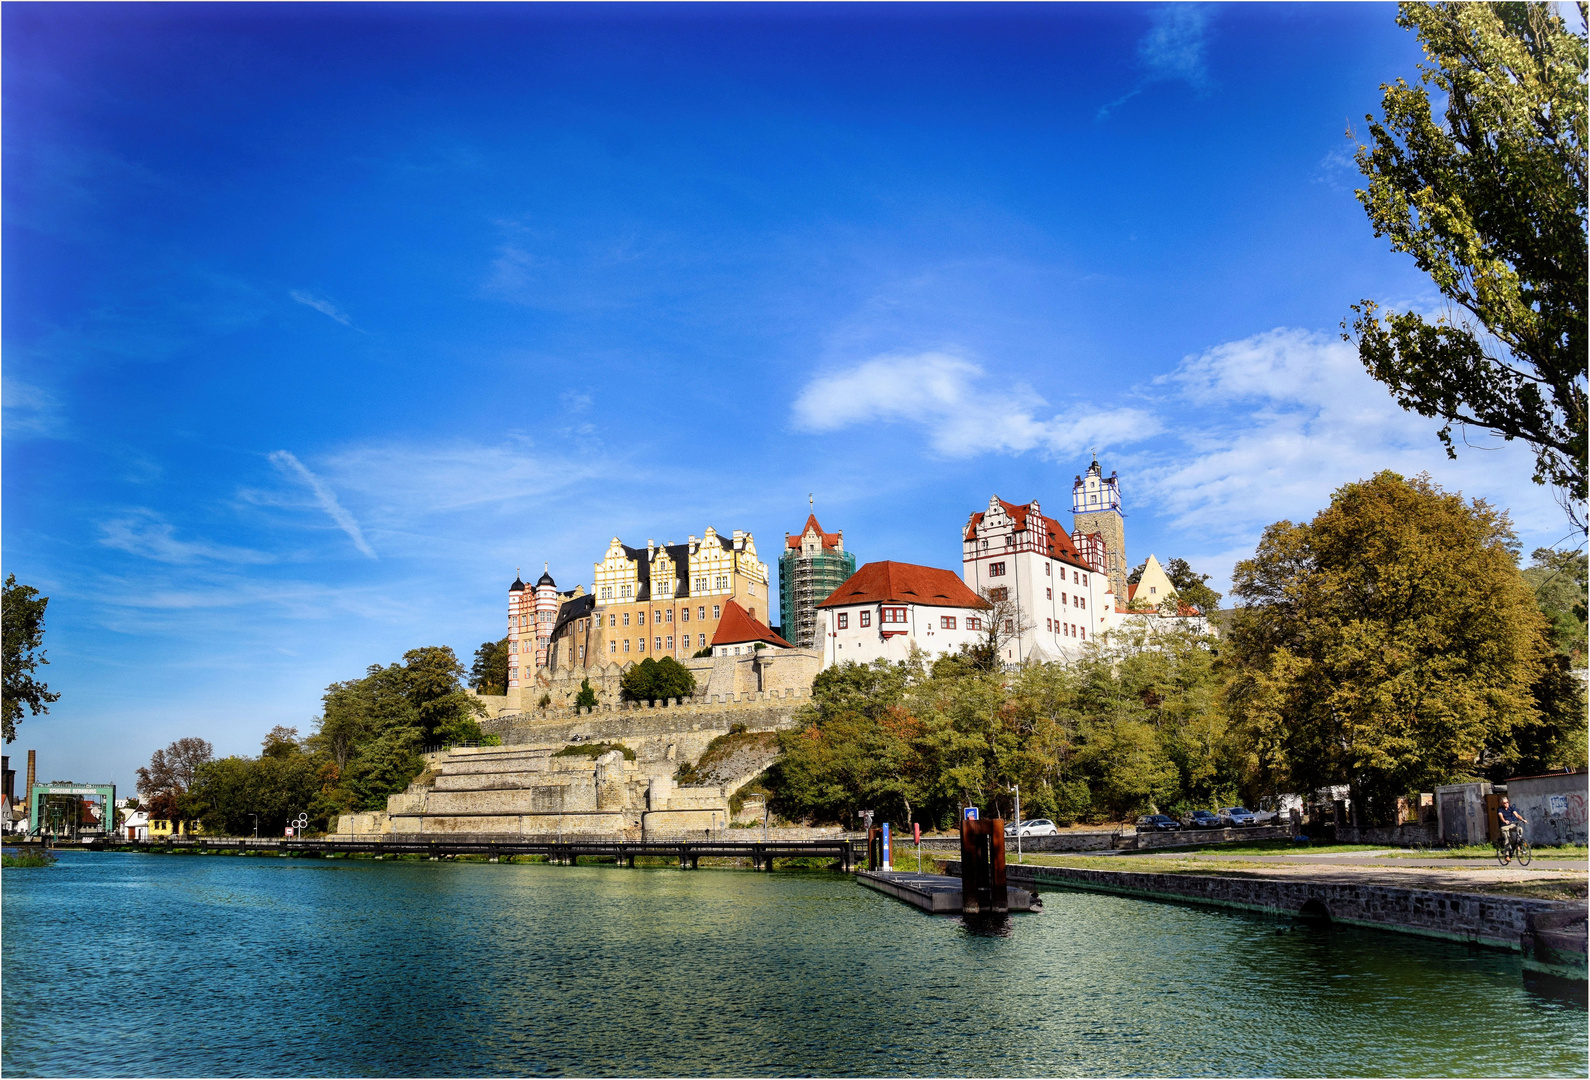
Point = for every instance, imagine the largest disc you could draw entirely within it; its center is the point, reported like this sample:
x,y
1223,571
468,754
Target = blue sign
x,y
969,813
888,861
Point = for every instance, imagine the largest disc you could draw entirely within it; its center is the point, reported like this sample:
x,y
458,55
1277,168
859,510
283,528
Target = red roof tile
x,y
904,583
737,627
1060,545
830,540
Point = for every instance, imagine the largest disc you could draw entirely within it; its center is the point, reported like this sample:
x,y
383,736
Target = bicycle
x,y
1508,849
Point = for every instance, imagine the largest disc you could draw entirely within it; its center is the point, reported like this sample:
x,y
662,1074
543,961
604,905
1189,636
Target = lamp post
x,y
1017,789
256,825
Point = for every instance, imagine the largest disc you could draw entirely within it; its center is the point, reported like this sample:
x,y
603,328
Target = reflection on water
x,y
167,965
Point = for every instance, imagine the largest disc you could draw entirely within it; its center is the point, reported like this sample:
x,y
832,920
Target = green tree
x,y
1490,202
24,636
1390,644
489,673
657,680
1559,580
586,698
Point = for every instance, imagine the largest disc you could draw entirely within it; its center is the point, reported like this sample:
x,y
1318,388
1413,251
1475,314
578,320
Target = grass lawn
x,y
1486,851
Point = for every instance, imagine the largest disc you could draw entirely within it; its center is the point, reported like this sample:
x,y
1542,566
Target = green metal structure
x,y
40,792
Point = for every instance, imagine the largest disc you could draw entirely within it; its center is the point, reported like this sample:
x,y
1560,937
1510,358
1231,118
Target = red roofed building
x,y
812,565
886,607
739,633
1011,551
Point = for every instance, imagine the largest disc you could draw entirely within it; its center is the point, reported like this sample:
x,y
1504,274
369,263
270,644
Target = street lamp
x,y
256,825
1017,789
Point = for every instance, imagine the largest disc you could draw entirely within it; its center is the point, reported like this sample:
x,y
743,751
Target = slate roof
x,y
904,583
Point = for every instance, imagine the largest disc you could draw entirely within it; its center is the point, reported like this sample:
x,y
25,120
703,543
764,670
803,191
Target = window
x,y
1048,594
985,545
1082,601
513,673
946,622
1008,627
1049,623
513,647
843,622
1083,633
684,614
626,623
750,589
582,652
973,622
996,569
1076,579
1084,580
658,646
894,616
612,646
999,594
670,641
1152,589
1064,597
670,617
715,611
701,613
626,644
866,618
657,617
1047,570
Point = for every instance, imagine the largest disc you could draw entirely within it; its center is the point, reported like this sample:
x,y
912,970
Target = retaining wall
x,y
1494,921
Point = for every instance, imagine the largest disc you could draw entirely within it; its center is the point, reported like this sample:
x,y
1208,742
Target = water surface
x,y
127,964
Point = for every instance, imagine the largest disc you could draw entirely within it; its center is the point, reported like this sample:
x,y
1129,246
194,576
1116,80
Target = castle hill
x,y
830,540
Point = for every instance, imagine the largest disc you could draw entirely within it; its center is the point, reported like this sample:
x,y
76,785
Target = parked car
x,y
1203,819
1266,817
1237,816
1033,827
1157,823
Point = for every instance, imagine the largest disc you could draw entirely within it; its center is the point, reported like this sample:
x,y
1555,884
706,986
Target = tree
x,y
1490,203
1559,580
489,673
1390,644
657,680
171,771
586,698
1003,621
24,634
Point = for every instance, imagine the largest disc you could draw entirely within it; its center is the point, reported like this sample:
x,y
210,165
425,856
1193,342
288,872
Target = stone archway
x,y
1314,910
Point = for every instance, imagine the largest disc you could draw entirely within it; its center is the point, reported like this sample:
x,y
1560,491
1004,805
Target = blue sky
x,y
319,321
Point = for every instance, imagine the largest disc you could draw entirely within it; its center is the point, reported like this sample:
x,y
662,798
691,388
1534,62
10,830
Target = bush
x,y
657,680
594,750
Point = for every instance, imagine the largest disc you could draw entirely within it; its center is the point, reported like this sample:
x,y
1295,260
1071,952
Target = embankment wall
x,y
1494,921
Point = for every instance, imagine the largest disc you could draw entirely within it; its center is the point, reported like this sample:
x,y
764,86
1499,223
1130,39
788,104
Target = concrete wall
x,y
1460,812
1554,805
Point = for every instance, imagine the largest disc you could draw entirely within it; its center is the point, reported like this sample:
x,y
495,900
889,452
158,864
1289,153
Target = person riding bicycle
x,y
1512,823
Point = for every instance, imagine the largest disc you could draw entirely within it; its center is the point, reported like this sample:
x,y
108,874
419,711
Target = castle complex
x,y
1026,582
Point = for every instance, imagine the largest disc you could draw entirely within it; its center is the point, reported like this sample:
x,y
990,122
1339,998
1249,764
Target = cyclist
x,y
1512,824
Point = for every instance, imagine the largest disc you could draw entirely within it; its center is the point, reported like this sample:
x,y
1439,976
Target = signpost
x,y
916,834
887,861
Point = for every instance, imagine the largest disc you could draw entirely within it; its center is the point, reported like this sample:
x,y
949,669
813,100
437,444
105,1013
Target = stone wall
x,y
781,673
1409,834
1495,921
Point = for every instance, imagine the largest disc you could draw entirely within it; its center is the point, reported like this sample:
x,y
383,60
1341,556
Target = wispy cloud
x,y
31,410
289,464
1286,417
144,532
1173,50
963,413
325,307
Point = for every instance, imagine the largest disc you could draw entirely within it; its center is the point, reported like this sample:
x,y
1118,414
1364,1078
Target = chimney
x,y
32,763
651,548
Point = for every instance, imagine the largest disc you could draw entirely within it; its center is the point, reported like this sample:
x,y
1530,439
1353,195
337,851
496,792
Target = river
x,y
130,964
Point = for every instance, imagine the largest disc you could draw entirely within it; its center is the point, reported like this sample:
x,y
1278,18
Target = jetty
x,y
938,894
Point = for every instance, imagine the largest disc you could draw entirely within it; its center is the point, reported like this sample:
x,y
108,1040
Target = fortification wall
x,y
777,672
662,736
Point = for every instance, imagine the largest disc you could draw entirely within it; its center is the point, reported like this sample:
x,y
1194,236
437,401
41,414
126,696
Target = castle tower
x,y
1096,508
520,634
546,614
813,565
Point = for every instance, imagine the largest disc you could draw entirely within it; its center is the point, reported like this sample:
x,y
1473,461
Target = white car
x,y
1239,816
1033,827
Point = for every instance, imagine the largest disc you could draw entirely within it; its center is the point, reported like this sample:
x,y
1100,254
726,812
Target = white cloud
x,y
1173,50
143,532
289,464
31,410
325,307
1270,425
963,413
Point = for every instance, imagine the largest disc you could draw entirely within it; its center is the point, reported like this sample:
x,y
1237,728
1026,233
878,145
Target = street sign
x,y
970,813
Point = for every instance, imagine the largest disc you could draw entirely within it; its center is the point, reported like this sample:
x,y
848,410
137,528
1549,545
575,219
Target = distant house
x,y
165,829
135,824
886,607
738,633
